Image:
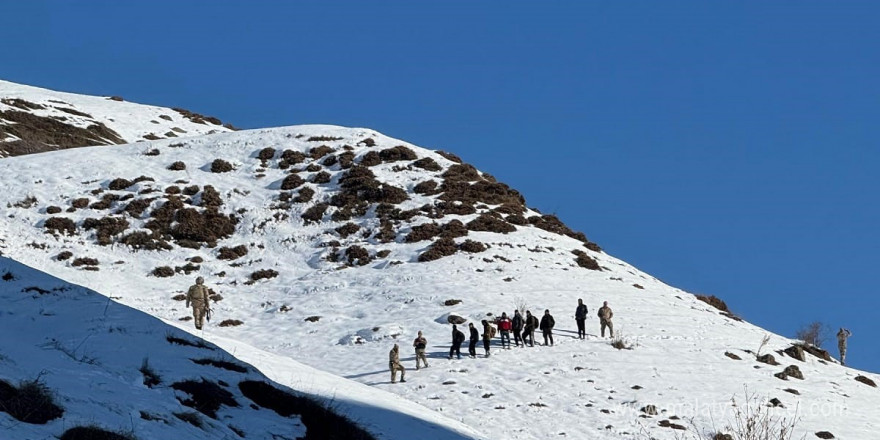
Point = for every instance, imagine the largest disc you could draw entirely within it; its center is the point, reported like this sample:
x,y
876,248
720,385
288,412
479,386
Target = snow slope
x,y
325,309
119,121
89,351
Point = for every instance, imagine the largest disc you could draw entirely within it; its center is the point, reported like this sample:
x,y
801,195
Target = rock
x,y
650,410
797,352
866,381
720,436
768,359
668,424
781,375
776,403
732,356
793,371
818,352
825,435
792,391
455,319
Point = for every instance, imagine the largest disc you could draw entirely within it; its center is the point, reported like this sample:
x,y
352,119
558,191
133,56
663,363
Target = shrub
x,y
323,139
53,210
452,302
426,163
30,402
119,184
357,255
551,223
290,157
370,159
189,417
443,247
151,378
454,229
472,246
266,154
329,161
187,343
206,397
60,225
449,156
304,195
190,190
230,323
462,173
320,421
620,342
347,229
292,181
231,366
177,166
428,187
162,272
714,301
866,381
211,198
368,142
426,231
80,203
93,433
319,152
264,274
64,255
397,153
106,228
486,222
814,333
143,241
220,166
322,177
315,213
586,261
346,160
450,208
227,253
85,261
136,208
208,226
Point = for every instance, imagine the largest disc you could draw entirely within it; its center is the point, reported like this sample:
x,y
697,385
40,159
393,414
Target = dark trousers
x,y
517,337
486,342
505,336
456,348
472,348
582,331
548,334
529,335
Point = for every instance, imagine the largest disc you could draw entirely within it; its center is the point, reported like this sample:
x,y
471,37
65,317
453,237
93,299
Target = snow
x,y
575,389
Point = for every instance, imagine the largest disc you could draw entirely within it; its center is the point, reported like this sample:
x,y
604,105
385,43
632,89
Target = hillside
x,y
326,245
34,120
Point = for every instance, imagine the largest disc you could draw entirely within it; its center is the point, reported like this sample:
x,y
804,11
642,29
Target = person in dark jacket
x,y
580,315
475,337
420,343
547,324
457,339
487,336
517,328
529,329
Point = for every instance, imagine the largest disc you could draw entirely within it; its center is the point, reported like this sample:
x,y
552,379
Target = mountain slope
x,y
326,245
33,120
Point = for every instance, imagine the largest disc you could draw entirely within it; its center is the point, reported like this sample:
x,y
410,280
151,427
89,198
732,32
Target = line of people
x,y
523,329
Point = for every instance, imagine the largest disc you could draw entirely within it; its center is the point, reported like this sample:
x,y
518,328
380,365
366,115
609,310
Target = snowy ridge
x,y
90,353
34,119
301,292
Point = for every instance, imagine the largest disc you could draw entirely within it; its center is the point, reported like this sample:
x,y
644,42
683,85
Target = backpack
x,y
459,336
491,332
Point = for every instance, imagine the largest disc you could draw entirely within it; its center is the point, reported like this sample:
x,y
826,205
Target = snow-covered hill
x,y
326,245
33,120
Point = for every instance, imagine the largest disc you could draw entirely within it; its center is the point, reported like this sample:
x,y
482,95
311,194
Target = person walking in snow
x,y
517,323
475,337
842,336
580,316
420,343
487,336
197,295
605,315
505,326
529,329
547,324
457,339
394,365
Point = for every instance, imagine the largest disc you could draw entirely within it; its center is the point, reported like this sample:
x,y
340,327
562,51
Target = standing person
x,y
529,329
487,336
547,324
420,343
505,326
475,336
842,335
605,315
394,365
197,295
457,339
517,328
580,315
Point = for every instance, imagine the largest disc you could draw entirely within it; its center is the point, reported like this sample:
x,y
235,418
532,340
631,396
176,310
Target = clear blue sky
x,y
728,148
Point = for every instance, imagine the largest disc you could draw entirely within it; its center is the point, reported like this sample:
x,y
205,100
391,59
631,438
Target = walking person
x,y
197,295
842,336
605,315
394,365
505,326
457,339
420,343
475,337
547,324
580,315
517,328
529,329
487,336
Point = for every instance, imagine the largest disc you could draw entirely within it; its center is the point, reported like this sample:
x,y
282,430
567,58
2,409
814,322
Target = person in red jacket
x,y
505,326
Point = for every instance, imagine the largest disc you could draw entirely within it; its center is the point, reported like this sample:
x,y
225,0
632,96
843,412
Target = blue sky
x,y
726,148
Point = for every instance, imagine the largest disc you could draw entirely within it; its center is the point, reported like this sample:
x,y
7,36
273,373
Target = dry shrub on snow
x,y
397,153
60,225
426,163
292,181
220,166
489,223
231,253
441,248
